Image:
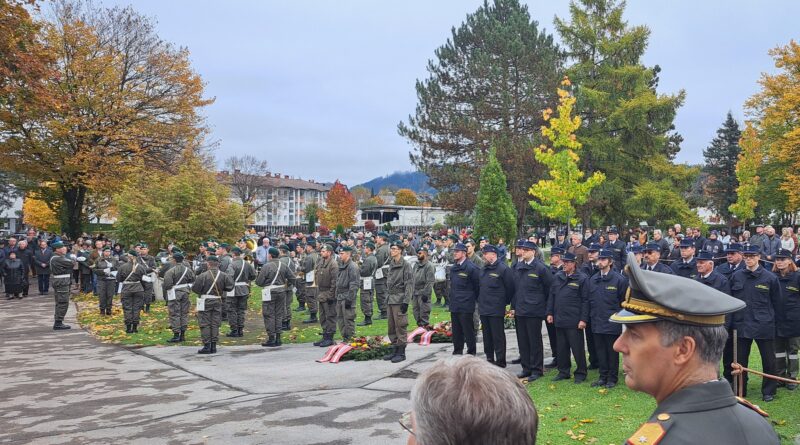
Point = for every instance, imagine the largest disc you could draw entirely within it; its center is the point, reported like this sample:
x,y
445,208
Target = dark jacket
x,y
212,282
720,283
684,269
620,253
787,315
714,246
659,267
588,268
26,256
179,274
727,269
424,277
42,257
497,289
14,275
465,283
400,282
770,247
242,273
606,293
761,292
347,281
532,289
569,300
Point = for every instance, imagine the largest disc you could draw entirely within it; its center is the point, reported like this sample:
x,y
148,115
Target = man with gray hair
x,y
671,349
467,401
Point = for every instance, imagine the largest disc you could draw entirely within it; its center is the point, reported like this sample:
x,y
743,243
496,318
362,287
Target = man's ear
x,y
684,351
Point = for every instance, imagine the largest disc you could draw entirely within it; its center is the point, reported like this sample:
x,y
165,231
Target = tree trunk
x,y
73,198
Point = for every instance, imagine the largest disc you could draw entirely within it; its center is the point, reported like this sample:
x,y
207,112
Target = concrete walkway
x,y
65,387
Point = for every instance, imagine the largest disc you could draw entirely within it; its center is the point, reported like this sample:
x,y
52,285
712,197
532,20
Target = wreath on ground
x,y
508,321
366,348
441,332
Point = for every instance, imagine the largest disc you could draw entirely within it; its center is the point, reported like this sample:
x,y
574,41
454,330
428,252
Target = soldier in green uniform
x,y
243,273
177,283
273,277
347,284
130,276
382,259
286,322
105,267
325,275
671,349
300,282
400,287
310,288
367,272
210,286
61,276
423,286
147,280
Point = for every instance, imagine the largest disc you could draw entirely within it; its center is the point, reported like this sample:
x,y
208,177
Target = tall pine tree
x,y
495,215
627,128
486,88
721,157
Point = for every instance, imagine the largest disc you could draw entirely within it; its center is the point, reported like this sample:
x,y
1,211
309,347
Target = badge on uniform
x,y
367,283
266,293
648,434
201,304
310,276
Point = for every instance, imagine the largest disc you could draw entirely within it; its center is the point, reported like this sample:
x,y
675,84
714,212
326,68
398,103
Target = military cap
x,y
423,249
733,247
613,230
686,242
347,249
606,253
311,242
751,250
654,296
562,233
370,245
453,237
133,253
284,247
759,225
393,237
383,235
237,250
556,251
143,245
520,242
460,248
274,252
594,247
528,245
489,248
784,253
57,245
568,257
325,246
652,247
211,251
470,241
106,248
705,256
637,249
212,259
483,238
178,256
225,246
397,244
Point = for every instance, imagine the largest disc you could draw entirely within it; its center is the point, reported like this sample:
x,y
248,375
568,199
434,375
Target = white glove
x,y
114,274
107,270
164,260
81,258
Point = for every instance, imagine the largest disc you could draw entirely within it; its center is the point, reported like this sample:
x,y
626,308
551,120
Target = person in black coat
x,y
617,246
685,266
713,245
41,261
787,318
568,309
25,254
761,292
496,292
652,259
533,281
465,282
607,290
734,261
14,272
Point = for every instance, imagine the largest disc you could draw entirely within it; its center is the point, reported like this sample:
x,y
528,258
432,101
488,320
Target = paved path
x,y
65,387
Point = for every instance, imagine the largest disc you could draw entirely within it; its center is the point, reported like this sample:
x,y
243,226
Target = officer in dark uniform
x,y
556,265
787,320
686,266
568,309
617,246
465,283
708,275
496,292
760,290
532,287
734,261
61,270
589,267
652,257
607,290
694,406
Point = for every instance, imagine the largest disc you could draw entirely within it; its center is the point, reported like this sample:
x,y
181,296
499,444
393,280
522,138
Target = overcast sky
x,y
317,88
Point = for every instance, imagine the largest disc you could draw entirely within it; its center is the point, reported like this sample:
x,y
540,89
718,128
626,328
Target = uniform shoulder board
x,y
650,433
747,403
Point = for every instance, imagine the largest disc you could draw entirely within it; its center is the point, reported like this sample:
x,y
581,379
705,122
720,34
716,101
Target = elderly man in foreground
x,y
671,349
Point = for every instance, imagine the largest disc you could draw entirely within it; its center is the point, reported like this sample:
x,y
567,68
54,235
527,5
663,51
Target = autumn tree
x,y
625,120
721,157
749,162
36,213
406,197
495,215
558,196
340,207
247,177
486,88
360,193
186,207
118,95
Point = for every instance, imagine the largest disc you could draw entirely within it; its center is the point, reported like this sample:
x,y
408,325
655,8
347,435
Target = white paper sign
x,y
171,294
440,274
367,283
231,293
201,304
379,273
266,294
310,277
119,288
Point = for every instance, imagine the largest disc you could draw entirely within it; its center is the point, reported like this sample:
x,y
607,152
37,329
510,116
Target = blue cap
x,y
460,248
751,250
652,247
613,230
556,251
595,247
383,235
733,247
606,253
686,242
520,242
489,248
529,245
705,256
637,249
783,253
568,257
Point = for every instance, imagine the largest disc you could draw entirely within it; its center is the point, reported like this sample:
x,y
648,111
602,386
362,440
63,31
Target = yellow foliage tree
x,y
37,213
406,197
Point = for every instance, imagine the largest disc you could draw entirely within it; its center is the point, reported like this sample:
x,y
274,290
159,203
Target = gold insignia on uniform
x,y
663,417
648,434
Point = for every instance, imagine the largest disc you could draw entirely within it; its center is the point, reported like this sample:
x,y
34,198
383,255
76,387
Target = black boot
x,y
270,341
300,308
213,347
327,340
391,354
278,339
286,325
108,311
401,354
312,318
60,326
147,307
206,349
183,335
383,315
128,328
240,332
233,333
176,337
367,321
